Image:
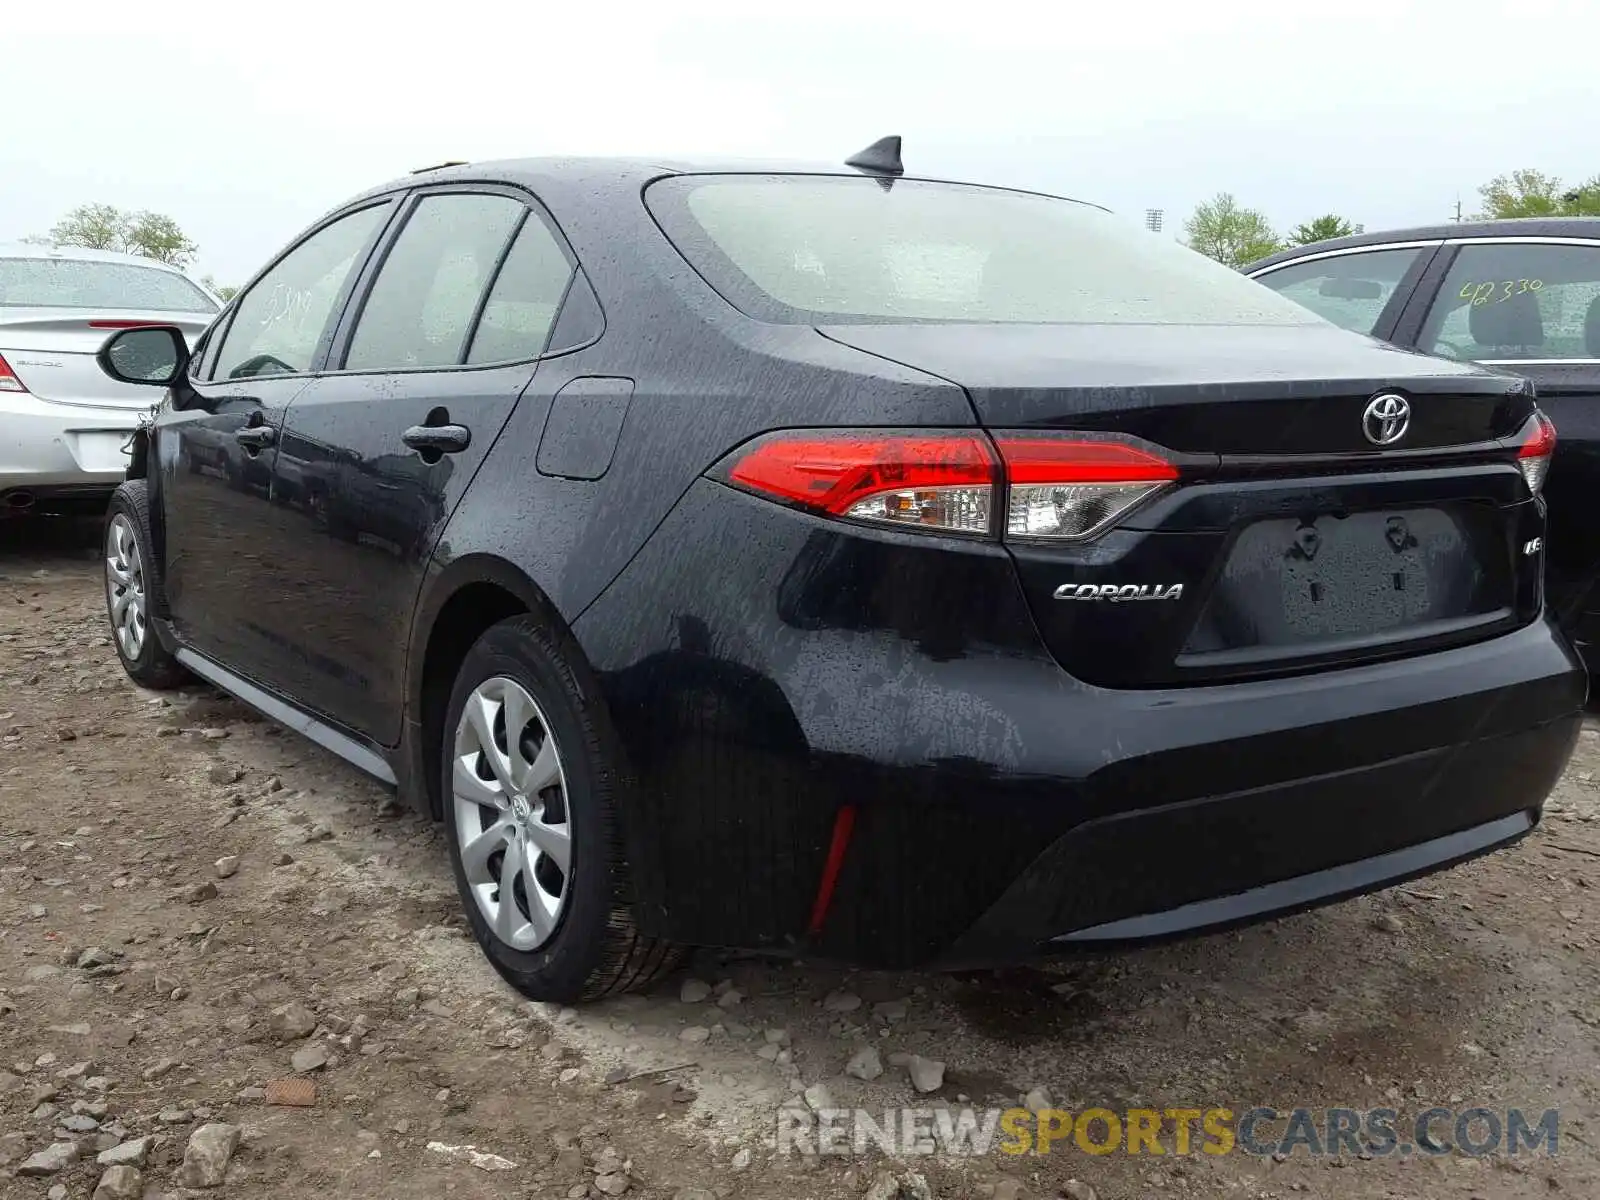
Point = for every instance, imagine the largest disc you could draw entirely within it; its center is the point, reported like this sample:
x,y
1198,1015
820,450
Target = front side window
x,y
1351,290
279,322
85,283
805,249
1513,301
420,309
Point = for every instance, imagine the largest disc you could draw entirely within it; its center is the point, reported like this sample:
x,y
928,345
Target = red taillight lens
x,y
8,378
1539,443
930,479
1069,489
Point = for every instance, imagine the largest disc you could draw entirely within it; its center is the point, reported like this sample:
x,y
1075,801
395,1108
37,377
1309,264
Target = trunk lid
x,y
1291,542
52,352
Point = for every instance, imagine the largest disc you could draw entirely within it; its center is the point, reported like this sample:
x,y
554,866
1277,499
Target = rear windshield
x,y
84,283
807,249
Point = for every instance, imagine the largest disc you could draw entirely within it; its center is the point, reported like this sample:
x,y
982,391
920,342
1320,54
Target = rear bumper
x,y
55,449
1001,809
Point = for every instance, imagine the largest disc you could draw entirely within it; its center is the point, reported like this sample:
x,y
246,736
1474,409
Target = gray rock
x,y
120,1183
205,1159
1037,1100
694,991
1075,1189
693,1194
96,957
223,774
818,1097
1007,1189
12,1147
865,1064
58,1191
199,893
57,1156
227,866
9,1083
907,1186
741,1160
927,1074
174,1116
731,998
157,1069
841,1002
133,1153
611,1185
777,1037
1383,923
291,1021
78,1123
310,1058
694,1034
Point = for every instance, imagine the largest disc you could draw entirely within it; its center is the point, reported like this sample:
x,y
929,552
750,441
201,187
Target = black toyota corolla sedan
x,y
835,562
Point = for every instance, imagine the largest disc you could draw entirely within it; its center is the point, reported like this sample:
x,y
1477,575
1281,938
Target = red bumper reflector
x,y
843,826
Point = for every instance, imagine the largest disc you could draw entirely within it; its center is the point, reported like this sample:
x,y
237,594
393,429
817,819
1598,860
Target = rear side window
x,y
526,295
420,310
278,324
805,249
1351,290
83,283
1517,301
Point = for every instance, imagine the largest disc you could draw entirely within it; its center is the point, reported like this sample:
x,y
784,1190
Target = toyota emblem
x,y
1387,418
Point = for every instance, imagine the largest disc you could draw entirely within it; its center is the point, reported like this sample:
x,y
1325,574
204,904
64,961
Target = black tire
x,y
151,666
595,949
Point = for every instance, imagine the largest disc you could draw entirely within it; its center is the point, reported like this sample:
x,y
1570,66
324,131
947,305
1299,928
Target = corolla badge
x,y
1386,419
1117,593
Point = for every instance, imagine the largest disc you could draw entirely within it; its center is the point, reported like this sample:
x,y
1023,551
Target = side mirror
x,y
152,355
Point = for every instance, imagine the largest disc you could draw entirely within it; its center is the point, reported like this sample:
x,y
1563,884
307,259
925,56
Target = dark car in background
x,y
1517,295
835,562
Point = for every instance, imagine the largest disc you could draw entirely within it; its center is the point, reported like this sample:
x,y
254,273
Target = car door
x,y
1363,289
1532,305
222,535
425,369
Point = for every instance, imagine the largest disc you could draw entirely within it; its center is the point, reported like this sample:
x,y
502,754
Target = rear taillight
x,y
8,378
1050,487
1068,489
1533,456
940,480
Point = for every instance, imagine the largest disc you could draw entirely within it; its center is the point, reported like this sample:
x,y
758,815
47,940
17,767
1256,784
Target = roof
x,y
629,172
30,250
1587,227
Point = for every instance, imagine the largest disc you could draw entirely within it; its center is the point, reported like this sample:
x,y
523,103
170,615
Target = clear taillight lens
x,y
1538,446
1069,489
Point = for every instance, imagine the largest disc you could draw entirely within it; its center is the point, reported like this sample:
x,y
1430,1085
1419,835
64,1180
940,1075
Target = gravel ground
x,y
196,906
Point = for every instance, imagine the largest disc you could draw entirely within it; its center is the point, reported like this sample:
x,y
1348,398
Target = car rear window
x,y
84,283
809,249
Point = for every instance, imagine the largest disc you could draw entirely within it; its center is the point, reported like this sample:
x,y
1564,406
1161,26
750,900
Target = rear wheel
x,y
531,792
131,581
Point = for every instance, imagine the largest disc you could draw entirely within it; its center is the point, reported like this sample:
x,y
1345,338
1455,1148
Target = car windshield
x,y
839,249
85,283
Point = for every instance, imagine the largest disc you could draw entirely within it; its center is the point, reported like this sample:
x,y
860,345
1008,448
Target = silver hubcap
x,y
125,585
510,796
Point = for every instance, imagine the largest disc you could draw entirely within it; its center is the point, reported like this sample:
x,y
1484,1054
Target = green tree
x,y
92,226
157,236
1529,193
106,227
1233,235
1323,228
223,290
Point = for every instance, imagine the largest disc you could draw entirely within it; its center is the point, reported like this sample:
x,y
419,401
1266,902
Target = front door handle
x,y
439,439
256,437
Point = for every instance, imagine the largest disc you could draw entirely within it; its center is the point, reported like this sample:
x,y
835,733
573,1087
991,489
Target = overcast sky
x,y
244,122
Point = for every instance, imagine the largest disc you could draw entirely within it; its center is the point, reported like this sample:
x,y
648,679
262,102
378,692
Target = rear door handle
x,y
441,439
256,436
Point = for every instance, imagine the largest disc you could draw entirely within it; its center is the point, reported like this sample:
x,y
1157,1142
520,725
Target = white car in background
x,y
63,423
